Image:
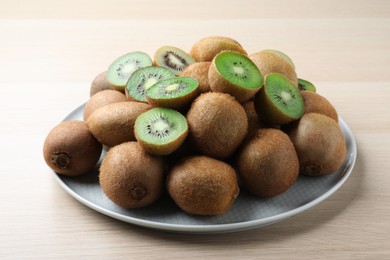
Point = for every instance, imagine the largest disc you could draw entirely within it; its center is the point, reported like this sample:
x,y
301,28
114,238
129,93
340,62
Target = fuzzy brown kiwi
x,y
217,124
199,71
130,177
269,61
320,144
268,164
318,104
113,124
71,149
254,122
100,99
201,185
100,83
207,48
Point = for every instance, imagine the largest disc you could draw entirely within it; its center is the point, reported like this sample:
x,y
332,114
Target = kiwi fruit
x,y
100,83
144,78
278,102
217,124
254,122
161,131
235,74
176,93
113,124
172,58
70,148
130,177
207,48
268,164
199,71
201,185
319,143
316,103
271,61
306,85
100,99
122,68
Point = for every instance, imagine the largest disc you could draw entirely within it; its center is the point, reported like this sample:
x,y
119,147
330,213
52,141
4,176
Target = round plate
x,y
247,212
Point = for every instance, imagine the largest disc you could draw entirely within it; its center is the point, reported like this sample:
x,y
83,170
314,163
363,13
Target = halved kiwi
x,y
279,101
144,78
161,130
235,74
175,59
120,70
306,85
176,93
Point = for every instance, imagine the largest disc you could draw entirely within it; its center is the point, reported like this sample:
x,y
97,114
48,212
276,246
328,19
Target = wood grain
x,y
50,51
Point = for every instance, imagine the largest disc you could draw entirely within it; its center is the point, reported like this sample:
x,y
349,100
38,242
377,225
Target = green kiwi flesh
x,y
161,130
175,93
120,70
306,85
144,78
201,185
235,74
130,177
70,148
172,58
279,101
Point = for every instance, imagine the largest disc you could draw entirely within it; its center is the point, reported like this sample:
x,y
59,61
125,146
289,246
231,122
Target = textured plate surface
x,y
247,211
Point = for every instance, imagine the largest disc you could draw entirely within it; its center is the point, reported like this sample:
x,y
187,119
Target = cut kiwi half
x,y
144,78
161,131
176,93
235,74
172,58
279,101
306,85
120,70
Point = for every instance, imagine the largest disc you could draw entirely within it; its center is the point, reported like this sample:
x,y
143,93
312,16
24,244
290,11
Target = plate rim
x,y
218,228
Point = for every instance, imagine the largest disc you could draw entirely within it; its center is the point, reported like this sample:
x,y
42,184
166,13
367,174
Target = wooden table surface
x,y
51,50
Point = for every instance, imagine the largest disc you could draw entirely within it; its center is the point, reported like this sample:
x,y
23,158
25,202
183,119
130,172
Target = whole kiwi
x,y
217,124
71,149
130,177
101,99
320,144
203,186
100,83
199,71
206,48
268,164
269,61
113,124
316,103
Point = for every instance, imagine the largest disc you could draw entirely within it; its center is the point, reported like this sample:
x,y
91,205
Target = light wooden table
x,y
51,50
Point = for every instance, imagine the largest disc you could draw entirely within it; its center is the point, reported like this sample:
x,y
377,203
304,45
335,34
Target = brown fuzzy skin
x,y
254,122
100,83
217,124
315,103
101,99
269,62
201,185
130,177
114,123
199,71
267,111
320,144
70,148
206,48
268,164
219,84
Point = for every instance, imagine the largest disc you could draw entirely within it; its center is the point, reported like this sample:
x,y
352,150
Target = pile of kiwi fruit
x,y
201,125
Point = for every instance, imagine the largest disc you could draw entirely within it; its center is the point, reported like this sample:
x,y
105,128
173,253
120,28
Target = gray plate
x,y
247,212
